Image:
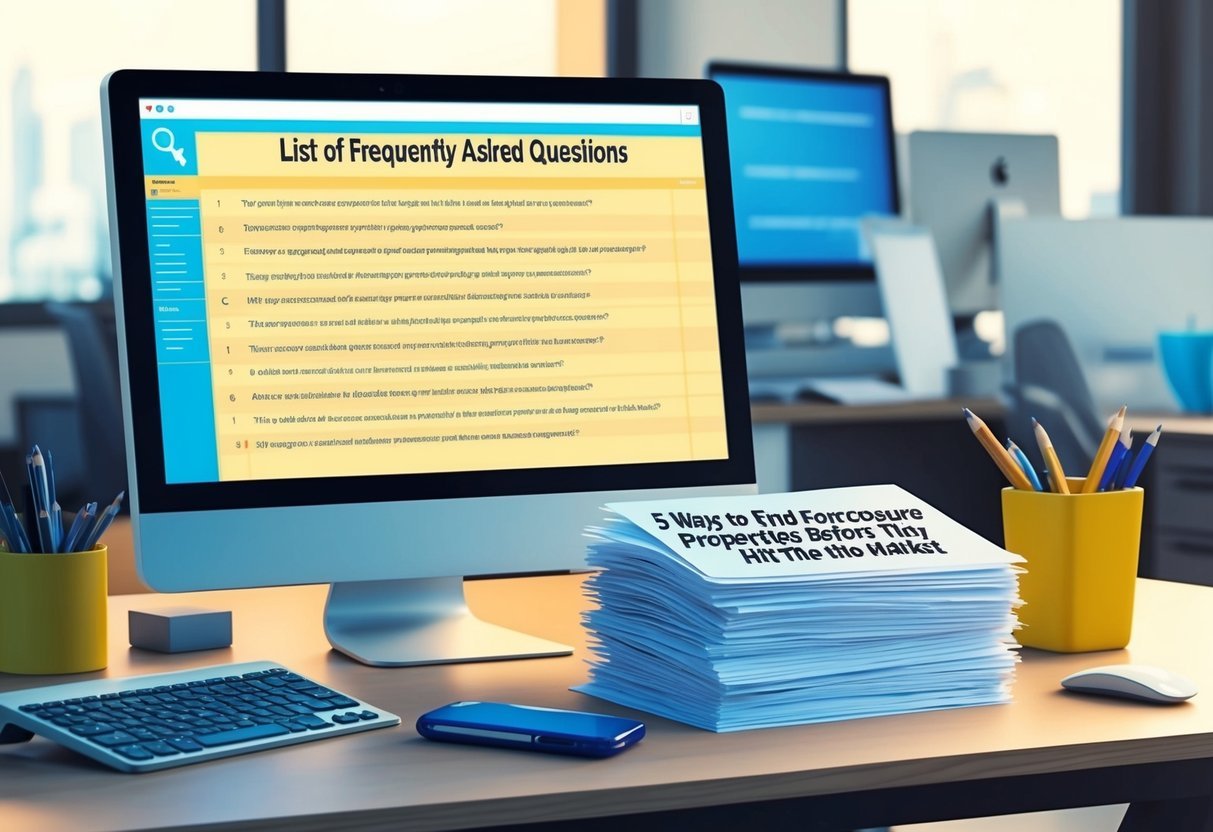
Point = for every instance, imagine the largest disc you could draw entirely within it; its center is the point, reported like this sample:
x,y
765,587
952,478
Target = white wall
x,y
679,37
462,37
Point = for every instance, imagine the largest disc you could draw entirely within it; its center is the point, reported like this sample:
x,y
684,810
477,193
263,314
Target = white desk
x,y
1047,749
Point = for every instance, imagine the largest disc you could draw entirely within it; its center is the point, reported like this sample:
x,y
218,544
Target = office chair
x,y
1049,385
93,344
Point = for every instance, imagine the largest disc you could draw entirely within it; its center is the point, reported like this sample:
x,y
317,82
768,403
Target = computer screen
x,y
960,183
388,328
812,154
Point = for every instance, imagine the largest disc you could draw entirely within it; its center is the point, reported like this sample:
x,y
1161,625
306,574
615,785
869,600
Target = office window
x,y
54,238
1033,66
464,37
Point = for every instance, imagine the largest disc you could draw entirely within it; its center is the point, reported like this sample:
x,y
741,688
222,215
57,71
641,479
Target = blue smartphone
x,y
531,728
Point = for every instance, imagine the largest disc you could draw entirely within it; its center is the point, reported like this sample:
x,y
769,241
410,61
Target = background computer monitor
x,y
957,180
812,154
1112,285
388,331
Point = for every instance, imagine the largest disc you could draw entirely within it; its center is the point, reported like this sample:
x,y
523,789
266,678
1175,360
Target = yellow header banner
x,y
416,154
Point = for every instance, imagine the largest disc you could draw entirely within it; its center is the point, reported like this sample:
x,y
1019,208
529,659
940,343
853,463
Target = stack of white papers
x,y
746,612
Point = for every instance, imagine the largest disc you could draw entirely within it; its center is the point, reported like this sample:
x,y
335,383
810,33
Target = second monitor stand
x,y
420,621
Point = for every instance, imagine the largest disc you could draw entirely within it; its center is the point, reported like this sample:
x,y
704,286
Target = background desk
x,y
923,446
926,448
1177,538
1048,749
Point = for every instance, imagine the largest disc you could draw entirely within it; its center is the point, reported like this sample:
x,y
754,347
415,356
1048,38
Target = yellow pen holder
x,y
52,612
1081,552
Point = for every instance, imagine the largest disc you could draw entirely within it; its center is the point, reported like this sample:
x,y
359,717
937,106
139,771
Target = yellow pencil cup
x,y
52,612
1081,552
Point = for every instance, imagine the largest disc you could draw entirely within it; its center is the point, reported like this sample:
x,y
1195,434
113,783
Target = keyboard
x,y
147,723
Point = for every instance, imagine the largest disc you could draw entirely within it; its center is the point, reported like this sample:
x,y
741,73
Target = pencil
x,y
1110,438
1009,467
1057,477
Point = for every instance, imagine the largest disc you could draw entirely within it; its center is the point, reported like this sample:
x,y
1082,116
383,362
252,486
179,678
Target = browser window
x,y
350,288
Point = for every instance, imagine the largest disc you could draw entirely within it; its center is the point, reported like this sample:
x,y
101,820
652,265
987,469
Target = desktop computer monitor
x,y
812,155
959,182
388,331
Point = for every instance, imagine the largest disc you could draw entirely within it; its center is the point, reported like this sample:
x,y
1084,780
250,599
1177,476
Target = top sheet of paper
x,y
807,534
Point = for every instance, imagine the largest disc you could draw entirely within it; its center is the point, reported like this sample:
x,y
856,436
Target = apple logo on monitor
x,y
998,172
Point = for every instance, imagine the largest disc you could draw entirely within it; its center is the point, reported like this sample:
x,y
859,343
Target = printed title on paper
x,y
760,536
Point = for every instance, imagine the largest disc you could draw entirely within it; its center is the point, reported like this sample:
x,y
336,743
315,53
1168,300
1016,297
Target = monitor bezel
x,y
120,95
818,271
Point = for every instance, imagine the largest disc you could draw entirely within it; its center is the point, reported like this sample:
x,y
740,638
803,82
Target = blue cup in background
x,y
1187,358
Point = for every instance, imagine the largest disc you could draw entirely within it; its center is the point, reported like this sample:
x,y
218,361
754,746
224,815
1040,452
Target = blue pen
x,y
42,491
6,498
6,526
18,538
32,503
57,525
38,485
52,497
22,535
1025,464
1143,456
1122,472
33,507
103,521
8,520
1119,450
74,529
30,519
42,483
44,529
80,526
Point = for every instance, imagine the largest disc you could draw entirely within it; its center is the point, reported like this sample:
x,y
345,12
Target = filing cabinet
x,y
1177,533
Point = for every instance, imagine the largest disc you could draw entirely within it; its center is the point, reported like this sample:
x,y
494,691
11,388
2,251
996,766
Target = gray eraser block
x,y
180,629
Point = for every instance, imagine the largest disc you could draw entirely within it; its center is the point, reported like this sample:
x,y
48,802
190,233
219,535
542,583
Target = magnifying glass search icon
x,y
169,145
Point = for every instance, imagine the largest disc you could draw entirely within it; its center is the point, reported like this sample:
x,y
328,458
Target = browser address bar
x,y
191,109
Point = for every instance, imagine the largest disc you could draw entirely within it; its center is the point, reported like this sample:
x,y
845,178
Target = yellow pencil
x,y
1009,467
1057,477
1115,425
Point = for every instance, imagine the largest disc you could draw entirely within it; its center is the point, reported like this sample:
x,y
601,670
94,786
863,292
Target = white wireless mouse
x,y
1132,681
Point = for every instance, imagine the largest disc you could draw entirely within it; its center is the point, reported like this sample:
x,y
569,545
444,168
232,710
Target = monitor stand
x,y
1000,210
420,621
